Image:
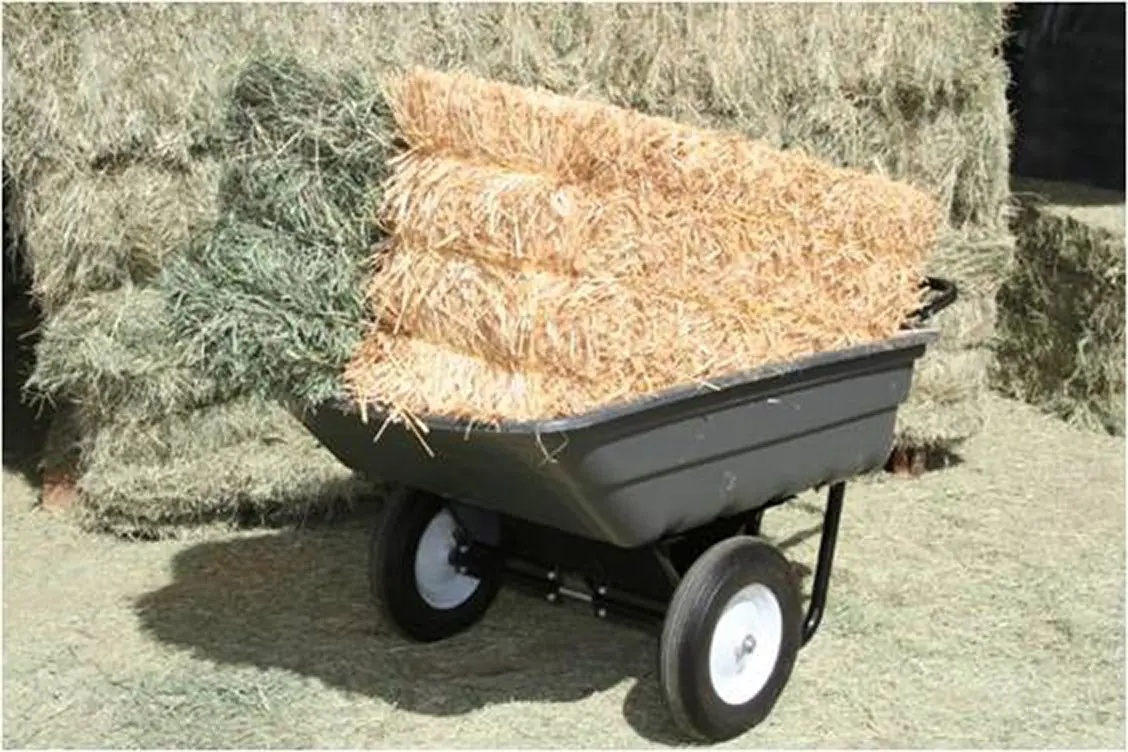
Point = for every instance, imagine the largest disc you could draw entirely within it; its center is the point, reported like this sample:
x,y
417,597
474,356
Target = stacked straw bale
x,y
914,91
1061,334
627,253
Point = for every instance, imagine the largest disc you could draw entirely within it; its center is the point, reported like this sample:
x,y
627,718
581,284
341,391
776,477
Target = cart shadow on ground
x,y
298,601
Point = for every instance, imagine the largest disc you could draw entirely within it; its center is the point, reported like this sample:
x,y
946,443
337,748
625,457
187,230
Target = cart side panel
x,y
634,476
683,474
490,470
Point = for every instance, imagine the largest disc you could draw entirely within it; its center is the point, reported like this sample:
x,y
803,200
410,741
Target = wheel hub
x,y
440,584
746,644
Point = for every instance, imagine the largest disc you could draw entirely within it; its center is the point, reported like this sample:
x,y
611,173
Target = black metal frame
x,y
633,585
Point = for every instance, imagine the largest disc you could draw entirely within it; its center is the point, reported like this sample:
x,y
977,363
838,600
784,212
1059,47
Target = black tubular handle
x,y
946,294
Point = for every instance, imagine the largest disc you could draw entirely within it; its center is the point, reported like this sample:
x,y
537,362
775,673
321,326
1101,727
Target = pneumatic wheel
x,y
730,639
411,576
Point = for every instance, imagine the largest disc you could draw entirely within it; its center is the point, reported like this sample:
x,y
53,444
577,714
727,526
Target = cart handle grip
x,y
946,294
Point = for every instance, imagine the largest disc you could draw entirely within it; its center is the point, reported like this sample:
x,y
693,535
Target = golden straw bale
x,y
588,324
578,141
415,377
717,258
846,219
591,340
548,256
610,148
533,319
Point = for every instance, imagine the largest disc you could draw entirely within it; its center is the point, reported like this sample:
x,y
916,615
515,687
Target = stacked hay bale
x,y
272,298
1062,309
155,444
95,92
568,254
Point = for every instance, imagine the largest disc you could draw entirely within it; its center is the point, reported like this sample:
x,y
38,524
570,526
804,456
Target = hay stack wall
x,y
95,92
1061,323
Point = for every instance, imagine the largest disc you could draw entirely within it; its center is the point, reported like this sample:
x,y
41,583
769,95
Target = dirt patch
x,y
955,596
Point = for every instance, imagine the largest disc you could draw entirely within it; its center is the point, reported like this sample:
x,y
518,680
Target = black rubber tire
x,y
391,574
698,602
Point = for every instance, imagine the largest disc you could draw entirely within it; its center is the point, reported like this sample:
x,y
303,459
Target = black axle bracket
x,y
479,559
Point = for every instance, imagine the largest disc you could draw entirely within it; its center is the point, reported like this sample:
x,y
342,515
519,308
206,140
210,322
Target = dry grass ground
x,y
982,605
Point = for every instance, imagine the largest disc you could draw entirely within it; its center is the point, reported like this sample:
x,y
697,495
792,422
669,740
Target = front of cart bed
x,y
648,510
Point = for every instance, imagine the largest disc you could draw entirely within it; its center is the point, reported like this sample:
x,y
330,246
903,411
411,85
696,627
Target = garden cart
x,y
648,510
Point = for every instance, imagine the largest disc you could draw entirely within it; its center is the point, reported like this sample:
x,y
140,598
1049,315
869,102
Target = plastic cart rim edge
x,y
901,341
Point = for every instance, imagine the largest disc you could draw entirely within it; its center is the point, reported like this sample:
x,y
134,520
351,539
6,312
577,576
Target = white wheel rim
x,y
746,644
439,583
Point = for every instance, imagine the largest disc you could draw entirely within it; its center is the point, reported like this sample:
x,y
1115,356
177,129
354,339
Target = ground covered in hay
x,y
946,627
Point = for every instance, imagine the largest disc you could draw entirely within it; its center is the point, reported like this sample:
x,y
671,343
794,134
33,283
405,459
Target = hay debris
x,y
1061,329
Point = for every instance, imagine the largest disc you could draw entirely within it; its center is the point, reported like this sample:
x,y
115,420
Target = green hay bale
x,y
268,315
308,150
114,352
1062,309
274,298
310,204
307,153
231,464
